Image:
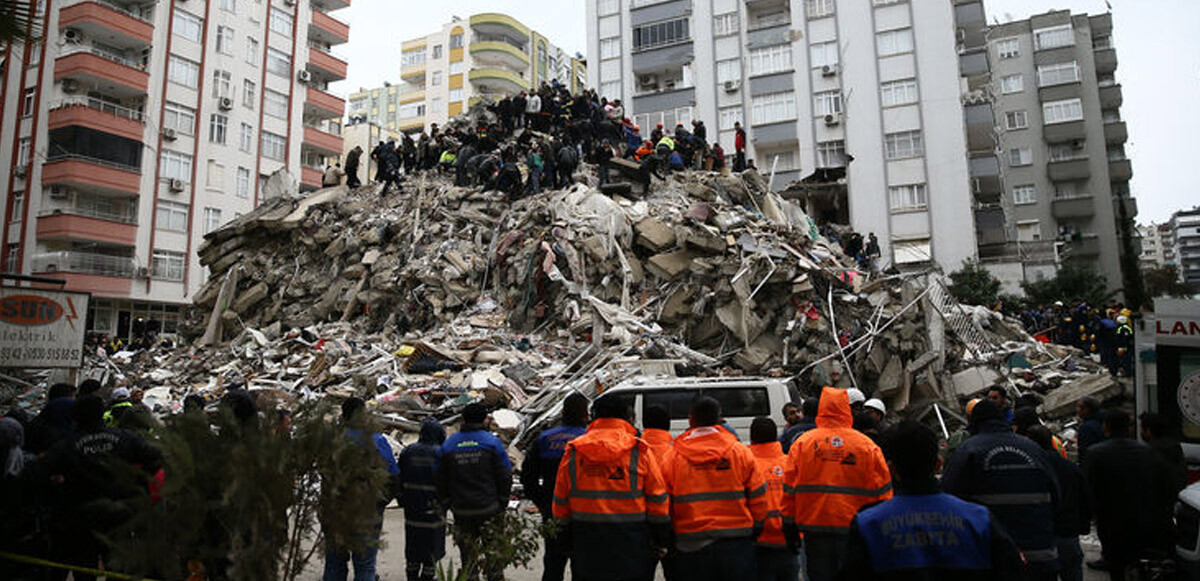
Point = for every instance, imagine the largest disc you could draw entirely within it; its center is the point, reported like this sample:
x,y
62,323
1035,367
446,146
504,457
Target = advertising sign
x,y
42,328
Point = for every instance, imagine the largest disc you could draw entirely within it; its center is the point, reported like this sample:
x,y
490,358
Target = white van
x,y
742,399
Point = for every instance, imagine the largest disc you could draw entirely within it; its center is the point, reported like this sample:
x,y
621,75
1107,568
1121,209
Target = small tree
x,y
974,285
1164,282
1074,282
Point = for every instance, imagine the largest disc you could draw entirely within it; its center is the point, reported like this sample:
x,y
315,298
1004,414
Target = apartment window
x,y
1008,48
175,165
772,59
275,104
827,103
279,63
773,108
187,25
247,139
1062,111
726,24
908,197
660,33
902,92
249,92
252,51
216,175
229,5
437,51
222,84
1020,156
1029,231
728,116
413,110
824,54
212,219
218,127
435,78
178,117
281,22
831,153
11,263
610,90
172,216
729,70
412,58
225,40
24,148
35,56
27,101
820,8
1058,74
1012,84
610,48
456,41
1054,37
903,145
1024,194
894,42
273,146
606,7
887,2
243,182
1016,120
184,72
456,95
167,265
1063,152
778,160
1064,190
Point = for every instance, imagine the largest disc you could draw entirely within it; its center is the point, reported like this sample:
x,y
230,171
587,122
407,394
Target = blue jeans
x,y
337,559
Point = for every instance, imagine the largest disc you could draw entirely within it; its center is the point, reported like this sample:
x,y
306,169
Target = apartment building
x,y
1061,188
1157,250
1185,240
855,103
136,127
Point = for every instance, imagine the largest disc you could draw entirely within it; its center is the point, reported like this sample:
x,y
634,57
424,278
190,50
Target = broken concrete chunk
x,y
654,235
669,265
248,298
974,380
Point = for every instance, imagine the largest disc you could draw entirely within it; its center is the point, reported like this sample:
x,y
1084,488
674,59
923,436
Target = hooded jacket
x,y
771,462
717,491
660,441
418,473
833,471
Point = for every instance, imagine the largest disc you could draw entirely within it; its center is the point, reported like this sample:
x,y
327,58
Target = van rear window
x,y
735,402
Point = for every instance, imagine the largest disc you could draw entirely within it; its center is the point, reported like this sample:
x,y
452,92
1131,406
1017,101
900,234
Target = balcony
x,y
497,80
1064,132
1069,170
116,25
329,66
113,74
1106,60
1110,96
1119,170
411,97
1115,132
495,24
93,174
322,105
411,123
413,73
1128,204
322,142
331,5
98,115
1074,207
310,177
1087,245
499,53
99,274
328,30
74,225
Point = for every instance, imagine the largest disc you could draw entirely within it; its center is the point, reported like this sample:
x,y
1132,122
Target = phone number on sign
x,y
41,353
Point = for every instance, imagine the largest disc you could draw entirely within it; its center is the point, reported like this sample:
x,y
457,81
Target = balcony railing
x,y
116,58
85,263
101,105
79,157
116,7
126,217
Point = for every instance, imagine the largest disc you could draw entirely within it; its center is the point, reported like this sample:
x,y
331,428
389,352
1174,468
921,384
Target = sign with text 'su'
x,y
42,328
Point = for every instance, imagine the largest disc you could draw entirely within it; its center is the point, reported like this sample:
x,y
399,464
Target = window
x,y
456,41
23,150
903,145
772,59
894,42
911,251
187,26
1020,156
273,146
184,72
729,70
281,22
903,92
243,182
437,52
275,104
412,58
886,2
1024,194
225,40
1053,37
249,91
222,84
827,103
1058,74
660,33
820,8
456,95
175,165
1016,120
1029,231
218,127
610,90
212,219
178,117
167,265
412,110
252,51
247,141
1064,190
1012,84
909,197
216,175
12,261
729,116
279,62
1062,111
726,24
229,5
18,206
172,216
824,54
610,48
773,108
435,78
606,7
1008,48
27,101
831,153
1063,152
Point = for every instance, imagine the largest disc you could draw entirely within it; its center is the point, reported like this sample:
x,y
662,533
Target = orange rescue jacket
x,y
716,488
660,441
833,470
771,463
609,475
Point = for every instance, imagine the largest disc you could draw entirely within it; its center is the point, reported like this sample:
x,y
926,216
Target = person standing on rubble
x,y
539,473
333,176
739,148
474,480
424,525
352,160
535,163
568,162
533,107
519,104
602,156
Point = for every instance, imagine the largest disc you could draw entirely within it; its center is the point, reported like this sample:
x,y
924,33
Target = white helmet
x,y
876,404
1122,319
856,396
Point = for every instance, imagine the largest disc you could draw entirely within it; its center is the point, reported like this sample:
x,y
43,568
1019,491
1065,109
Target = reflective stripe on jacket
x,y
609,475
716,489
833,470
771,463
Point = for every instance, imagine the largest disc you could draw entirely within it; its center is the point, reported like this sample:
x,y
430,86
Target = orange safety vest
x,y
660,441
716,489
771,461
833,470
609,475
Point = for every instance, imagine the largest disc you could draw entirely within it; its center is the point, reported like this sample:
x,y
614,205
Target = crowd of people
x,y
1103,331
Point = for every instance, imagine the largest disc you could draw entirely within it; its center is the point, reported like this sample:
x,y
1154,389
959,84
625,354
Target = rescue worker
x,y
877,410
539,473
332,176
739,148
924,533
1008,474
832,471
808,421
611,499
658,431
1073,514
776,562
1091,427
1124,344
718,498
118,406
997,395
352,161
424,526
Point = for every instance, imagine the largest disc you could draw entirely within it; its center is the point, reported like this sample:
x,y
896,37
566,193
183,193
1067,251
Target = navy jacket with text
x,y
474,475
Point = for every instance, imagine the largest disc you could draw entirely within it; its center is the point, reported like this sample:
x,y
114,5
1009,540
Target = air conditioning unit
x,y
175,185
648,80
143,272
72,36
829,71
833,119
69,85
304,76
168,133
732,86
225,103
20,171
58,193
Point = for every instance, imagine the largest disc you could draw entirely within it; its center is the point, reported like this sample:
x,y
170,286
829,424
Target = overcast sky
x,y
1157,49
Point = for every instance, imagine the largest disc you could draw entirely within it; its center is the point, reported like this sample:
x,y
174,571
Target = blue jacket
x,y
632,139
540,469
381,446
790,434
474,476
418,474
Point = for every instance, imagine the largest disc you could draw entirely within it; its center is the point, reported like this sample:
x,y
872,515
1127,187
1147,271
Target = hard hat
x,y
1126,312
856,396
876,404
1058,303
120,393
1122,320
971,406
